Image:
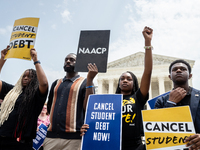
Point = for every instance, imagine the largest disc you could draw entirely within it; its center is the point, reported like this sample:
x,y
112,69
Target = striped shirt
x,y
65,104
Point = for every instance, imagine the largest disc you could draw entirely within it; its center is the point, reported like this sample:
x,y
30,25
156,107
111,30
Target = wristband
x,y
89,86
148,47
36,62
171,102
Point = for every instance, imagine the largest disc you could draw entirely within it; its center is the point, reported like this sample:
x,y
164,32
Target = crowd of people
x,y
23,108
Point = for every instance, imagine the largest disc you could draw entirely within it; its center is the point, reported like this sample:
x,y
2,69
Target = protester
x,y
183,95
66,104
134,99
21,106
43,117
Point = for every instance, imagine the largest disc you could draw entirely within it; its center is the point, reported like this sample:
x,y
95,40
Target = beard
x,y
69,69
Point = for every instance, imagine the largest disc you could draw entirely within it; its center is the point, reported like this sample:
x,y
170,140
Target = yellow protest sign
x,y
23,38
167,128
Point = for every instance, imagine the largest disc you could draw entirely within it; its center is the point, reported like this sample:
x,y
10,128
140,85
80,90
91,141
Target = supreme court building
x,y
160,82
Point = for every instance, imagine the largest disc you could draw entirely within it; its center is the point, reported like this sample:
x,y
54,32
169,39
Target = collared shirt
x,y
66,103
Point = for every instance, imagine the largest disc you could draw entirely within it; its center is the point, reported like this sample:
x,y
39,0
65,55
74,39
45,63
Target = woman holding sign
x,y
21,106
134,99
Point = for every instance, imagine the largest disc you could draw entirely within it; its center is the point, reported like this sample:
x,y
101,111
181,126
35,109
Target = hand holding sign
x,y
83,129
103,115
92,48
4,52
23,38
193,141
92,71
33,54
2,60
170,131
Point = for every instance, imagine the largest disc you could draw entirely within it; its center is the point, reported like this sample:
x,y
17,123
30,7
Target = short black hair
x,y
180,61
135,84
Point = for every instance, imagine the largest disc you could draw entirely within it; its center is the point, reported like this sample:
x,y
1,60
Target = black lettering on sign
x,y
21,43
15,44
186,126
98,50
154,139
23,35
175,127
180,126
26,57
149,123
24,28
148,141
166,140
156,127
182,139
165,127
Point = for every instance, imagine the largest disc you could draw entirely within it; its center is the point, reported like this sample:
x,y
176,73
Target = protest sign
x,y
40,136
103,116
92,48
23,38
152,101
167,128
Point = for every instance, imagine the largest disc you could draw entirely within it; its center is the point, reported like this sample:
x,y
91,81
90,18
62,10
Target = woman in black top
x,y
21,106
134,98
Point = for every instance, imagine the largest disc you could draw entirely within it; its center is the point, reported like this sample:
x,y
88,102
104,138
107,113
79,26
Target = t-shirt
x,y
9,126
132,118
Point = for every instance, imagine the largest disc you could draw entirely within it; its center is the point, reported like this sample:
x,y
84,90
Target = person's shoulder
x,y
6,84
195,90
83,79
80,77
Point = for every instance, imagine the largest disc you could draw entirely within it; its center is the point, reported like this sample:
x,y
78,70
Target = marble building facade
x,y
160,82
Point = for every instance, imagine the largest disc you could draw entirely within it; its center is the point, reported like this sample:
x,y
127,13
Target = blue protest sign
x,y
103,116
152,101
40,136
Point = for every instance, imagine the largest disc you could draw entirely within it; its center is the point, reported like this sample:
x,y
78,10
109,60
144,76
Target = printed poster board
x,y
23,38
40,136
104,117
167,128
92,48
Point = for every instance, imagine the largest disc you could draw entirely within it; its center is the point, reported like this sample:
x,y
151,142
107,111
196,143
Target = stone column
x,y
150,92
172,84
190,82
111,85
161,83
100,86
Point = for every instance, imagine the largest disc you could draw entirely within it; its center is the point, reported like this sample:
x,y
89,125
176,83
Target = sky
x,y
175,24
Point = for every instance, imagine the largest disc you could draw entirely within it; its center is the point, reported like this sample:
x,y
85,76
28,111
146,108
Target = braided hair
x,y
135,84
26,106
